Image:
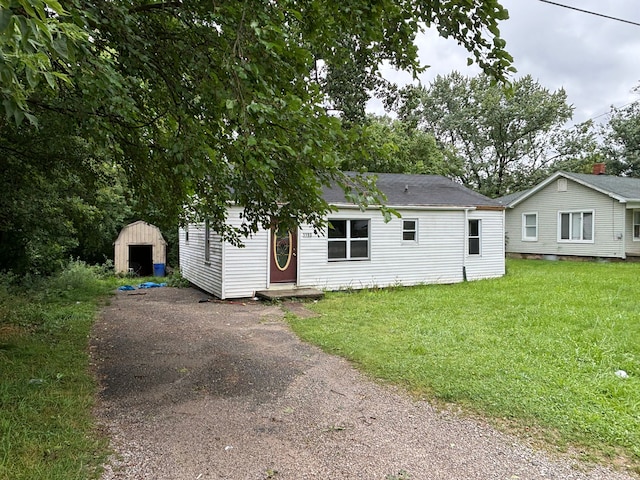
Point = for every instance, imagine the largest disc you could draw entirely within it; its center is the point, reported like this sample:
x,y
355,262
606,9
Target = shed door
x,y
141,259
283,254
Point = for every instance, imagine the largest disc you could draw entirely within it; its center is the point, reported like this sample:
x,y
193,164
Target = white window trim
x,y
524,227
348,239
633,224
479,237
415,230
572,212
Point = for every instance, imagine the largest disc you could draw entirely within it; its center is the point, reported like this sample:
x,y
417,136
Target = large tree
x,y
504,139
205,103
389,146
622,141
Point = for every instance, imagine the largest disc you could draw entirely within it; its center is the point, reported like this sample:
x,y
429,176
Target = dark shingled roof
x,y
419,190
625,187
507,199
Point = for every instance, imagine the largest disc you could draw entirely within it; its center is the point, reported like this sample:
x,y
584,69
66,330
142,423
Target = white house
x,y
575,214
447,234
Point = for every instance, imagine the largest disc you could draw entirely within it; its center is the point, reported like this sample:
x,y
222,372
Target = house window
x,y
636,225
410,230
186,233
207,241
474,237
576,227
530,227
348,239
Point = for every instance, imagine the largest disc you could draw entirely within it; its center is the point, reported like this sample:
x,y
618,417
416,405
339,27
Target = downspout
x,y
624,230
464,244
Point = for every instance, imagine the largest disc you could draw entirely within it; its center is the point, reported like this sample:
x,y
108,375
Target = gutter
x,y
351,206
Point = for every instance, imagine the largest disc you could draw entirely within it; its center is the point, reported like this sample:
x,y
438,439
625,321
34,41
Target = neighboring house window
x,y
186,233
474,237
576,226
348,239
636,225
207,241
410,230
529,227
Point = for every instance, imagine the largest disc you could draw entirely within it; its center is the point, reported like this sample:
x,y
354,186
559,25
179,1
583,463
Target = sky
x,y
595,59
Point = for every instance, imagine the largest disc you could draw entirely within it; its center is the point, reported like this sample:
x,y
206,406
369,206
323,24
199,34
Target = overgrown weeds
x,y
46,389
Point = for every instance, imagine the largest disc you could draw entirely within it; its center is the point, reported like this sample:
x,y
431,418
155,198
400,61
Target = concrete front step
x,y
282,293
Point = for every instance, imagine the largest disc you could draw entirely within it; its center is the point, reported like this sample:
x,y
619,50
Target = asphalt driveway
x,y
224,390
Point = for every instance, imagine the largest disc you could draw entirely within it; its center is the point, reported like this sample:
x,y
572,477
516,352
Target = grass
x,y
535,351
47,390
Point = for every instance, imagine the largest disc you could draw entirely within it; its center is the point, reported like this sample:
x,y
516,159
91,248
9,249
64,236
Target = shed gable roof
x,y
419,190
623,189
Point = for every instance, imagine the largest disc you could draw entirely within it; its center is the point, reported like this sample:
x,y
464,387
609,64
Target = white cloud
x,y
594,59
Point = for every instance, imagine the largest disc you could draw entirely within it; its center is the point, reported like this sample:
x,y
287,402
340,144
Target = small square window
x,y
409,230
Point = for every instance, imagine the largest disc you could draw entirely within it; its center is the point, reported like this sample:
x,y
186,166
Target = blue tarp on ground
x,y
151,285
142,285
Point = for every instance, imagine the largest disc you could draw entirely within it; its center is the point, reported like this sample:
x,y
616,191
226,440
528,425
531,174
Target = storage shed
x,y
140,248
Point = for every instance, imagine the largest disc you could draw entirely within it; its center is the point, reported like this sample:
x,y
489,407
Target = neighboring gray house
x,y
575,214
447,233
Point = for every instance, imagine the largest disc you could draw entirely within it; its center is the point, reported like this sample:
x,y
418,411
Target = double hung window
x,y
636,225
207,241
410,230
474,235
529,227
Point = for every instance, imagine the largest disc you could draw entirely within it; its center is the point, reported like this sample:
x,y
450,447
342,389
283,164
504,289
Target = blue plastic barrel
x,y
158,269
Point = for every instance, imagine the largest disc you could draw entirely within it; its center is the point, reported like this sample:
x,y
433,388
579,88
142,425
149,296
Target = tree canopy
x,y
622,141
198,104
498,140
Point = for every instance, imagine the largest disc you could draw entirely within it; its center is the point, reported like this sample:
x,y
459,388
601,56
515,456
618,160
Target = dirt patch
x,y
225,391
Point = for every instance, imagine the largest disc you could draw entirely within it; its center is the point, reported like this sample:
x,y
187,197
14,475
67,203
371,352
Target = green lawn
x,y
536,350
47,391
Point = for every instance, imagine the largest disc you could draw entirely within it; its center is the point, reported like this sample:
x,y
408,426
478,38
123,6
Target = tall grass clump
x,y
46,389
551,349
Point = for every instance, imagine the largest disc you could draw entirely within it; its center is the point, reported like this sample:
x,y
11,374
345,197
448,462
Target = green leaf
x,y
5,19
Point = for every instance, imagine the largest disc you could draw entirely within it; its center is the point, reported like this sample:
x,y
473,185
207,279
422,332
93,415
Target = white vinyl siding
x,y
529,227
438,258
231,272
192,262
633,243
611,223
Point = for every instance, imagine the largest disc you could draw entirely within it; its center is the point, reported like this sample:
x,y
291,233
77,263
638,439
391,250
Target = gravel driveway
x,y
225,391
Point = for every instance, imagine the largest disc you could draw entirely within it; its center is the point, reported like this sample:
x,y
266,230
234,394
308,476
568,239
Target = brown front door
x,y
283,253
